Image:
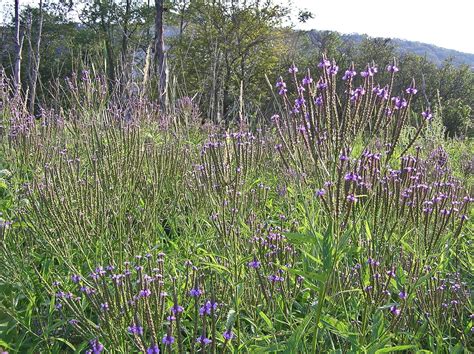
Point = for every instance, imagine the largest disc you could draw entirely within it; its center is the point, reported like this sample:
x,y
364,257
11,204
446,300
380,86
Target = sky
x,y
445,23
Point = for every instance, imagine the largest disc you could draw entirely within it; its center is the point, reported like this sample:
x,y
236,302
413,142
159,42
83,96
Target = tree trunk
x,y
160,50
125,35
36,61
18,44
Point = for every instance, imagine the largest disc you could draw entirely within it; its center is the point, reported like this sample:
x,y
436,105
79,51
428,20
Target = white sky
x,y
445,23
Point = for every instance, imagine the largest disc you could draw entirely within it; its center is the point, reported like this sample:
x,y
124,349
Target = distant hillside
x,y
433,53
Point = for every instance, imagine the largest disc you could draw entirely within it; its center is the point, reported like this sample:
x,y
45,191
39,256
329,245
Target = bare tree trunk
x,y
125,35
36,56
160,50
18,44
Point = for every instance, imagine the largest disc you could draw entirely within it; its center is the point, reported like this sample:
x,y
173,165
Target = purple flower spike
x,y
349,74
203,340
427,114
392,68
411,90
195,292
153,350
145,293
176,309
75,278
318,100
228,335
293,69
307,80
320,192
402,295
254,264
395,311
95,347
168,340
136,330
324,63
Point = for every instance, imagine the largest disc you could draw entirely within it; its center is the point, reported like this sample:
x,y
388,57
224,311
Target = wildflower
x,y
293,69
395,311
318,100
321,85
195,292
371,71
320,192
254,264
427,114
349,74
168,339
391,273
145,293
203,340
208,308
176,309
228,335
392,68
399,103
324,63
95,347
135,329
402,295
333,69
307,80
411,90
104,306
351,198
153,350
275,278
171,318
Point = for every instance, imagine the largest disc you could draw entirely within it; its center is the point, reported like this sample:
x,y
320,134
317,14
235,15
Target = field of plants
x,y
342,223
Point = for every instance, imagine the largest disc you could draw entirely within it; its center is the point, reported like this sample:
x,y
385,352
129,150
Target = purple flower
x,y
392,68
427,114
395,311
351,198
321,85
399,103
411,90
176,309
104,306
135,329
208,308
168,339
153,350
371,71
254,264
324,63
95,346
320,192
203,340
349,74
307,80
318,100
228,335
195,292
275,278
75,278
402,295
333,69
293,69
144,293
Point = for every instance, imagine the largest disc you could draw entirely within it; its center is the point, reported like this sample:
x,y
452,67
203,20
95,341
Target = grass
x,y
123,227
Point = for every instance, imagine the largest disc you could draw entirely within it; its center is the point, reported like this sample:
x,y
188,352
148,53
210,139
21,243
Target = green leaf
x,y
266,319
398,348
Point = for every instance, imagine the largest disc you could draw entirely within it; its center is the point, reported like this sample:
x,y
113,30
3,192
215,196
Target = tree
x,y
159,49
18,45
